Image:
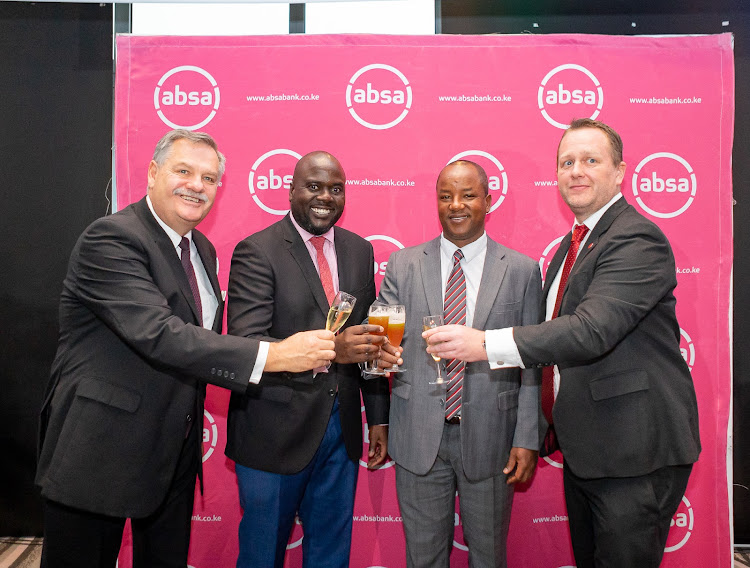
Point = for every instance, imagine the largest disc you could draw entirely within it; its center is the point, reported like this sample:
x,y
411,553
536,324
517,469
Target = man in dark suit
x,y
297,438
140,313
479,437
625,415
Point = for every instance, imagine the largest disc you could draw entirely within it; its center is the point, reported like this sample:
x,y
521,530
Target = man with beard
x,y
296,438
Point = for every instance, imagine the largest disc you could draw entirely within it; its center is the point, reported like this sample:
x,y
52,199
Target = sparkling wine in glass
x,y
377,315
340,310
396,323
429,322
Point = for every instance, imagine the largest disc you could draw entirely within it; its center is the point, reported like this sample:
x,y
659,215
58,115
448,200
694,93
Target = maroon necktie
x,y
454,311
188,266
548,373
323,268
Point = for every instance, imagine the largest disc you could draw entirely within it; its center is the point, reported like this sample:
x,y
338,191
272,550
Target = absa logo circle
x,y
547,255
378,96
664,184
270,178
295,539
687,349
186,97
497,178
366,444
210,435
681,526
458,528
382,253
575,91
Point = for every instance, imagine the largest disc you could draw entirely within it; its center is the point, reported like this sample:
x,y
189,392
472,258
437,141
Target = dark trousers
x,y
74,538
623,522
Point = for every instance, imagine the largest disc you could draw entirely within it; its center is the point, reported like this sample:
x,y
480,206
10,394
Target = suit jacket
x,y
626,404
274,292
500,409
127,380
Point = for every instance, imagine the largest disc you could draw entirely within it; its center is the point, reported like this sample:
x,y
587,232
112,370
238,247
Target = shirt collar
x,y
306,235
173,235
593,219
469,251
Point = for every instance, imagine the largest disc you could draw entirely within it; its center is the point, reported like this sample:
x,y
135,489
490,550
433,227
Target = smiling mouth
x,y
321,211
459,218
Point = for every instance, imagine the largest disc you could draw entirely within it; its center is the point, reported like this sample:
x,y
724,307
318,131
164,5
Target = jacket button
x,y
331,392
231,375
213,370
442,402
226,374
188,418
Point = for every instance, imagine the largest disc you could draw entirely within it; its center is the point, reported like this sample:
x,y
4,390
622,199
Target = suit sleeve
x,y
530,426
113,278
631,276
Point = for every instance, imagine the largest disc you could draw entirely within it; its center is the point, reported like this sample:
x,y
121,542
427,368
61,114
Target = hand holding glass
x,y
430,322
377,315
340,310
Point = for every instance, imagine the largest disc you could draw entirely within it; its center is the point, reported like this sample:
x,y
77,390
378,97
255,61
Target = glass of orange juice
x,y
377,315
396,323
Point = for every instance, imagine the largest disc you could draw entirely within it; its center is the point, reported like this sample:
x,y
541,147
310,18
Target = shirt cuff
x,y
260,362
502,352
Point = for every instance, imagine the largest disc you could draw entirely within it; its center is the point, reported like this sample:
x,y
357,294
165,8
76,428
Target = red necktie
x,y
323,268
190,273
548,373
454,311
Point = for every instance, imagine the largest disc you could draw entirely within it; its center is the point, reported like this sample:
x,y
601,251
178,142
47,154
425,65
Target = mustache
x,y
188,193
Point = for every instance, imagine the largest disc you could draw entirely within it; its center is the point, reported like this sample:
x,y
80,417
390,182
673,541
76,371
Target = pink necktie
x,y
454,311
324,268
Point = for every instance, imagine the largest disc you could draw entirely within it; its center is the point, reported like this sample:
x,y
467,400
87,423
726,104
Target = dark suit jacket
x,y
626,404
274,292
128,376
500,408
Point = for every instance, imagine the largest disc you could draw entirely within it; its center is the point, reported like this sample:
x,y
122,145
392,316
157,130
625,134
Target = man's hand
x,y
389,356
520,466
456,342
378,446
356,344
302,351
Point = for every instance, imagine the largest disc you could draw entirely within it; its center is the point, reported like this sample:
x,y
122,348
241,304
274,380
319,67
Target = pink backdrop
x,y
395,110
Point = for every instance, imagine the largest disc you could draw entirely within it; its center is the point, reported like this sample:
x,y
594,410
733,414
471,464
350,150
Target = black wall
x,y
55,156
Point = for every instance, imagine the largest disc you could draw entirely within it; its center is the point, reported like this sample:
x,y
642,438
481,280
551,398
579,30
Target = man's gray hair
x,y
164,146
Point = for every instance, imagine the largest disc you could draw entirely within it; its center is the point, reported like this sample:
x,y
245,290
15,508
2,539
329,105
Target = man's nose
x,y
195,183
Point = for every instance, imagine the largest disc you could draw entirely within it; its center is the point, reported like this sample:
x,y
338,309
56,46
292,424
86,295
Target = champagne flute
x,y
377,315
340,310
430,322
396,323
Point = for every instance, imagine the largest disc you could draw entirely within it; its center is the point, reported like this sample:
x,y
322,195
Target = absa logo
x,y
210,435
295,539
568,91
186,97
687,349
681,526
547,255
497,178
383,246
270,178
664,184
378,96
366,445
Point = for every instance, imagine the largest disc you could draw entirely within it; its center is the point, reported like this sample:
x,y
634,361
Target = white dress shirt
x,y
472,265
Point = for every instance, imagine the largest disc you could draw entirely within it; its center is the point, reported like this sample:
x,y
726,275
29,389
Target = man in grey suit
x,y
625,413
140,316
480,434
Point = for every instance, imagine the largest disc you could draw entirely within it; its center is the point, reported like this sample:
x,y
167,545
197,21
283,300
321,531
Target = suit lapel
x,y
301,255
166,247
601,227
493,273
431,279
555,264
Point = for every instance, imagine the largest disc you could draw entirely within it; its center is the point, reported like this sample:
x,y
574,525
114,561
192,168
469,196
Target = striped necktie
x,y
454,310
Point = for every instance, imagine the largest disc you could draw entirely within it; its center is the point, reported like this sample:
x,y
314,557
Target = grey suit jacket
x,y
131,364
626,405
501,408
